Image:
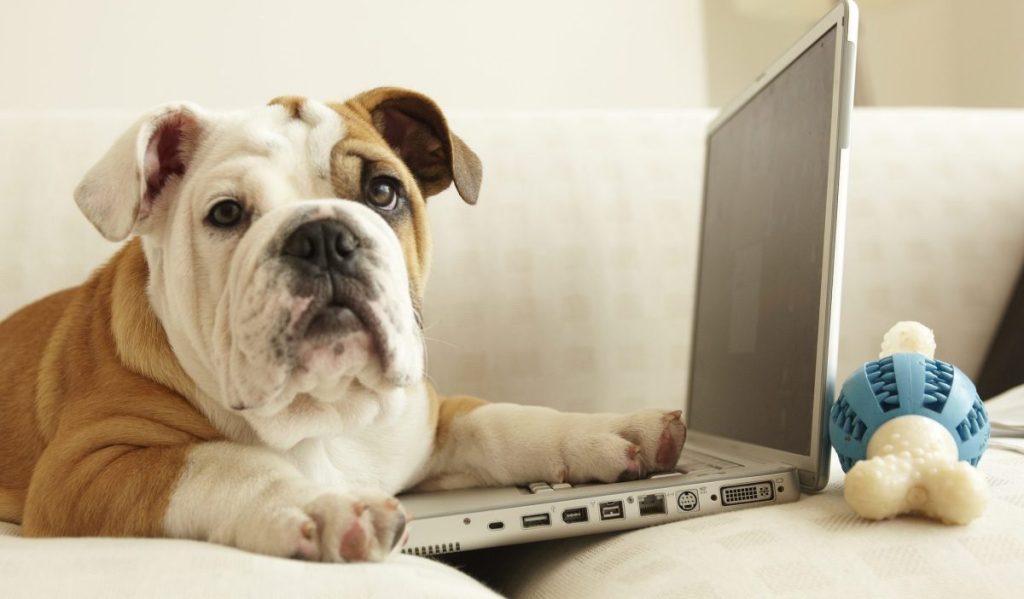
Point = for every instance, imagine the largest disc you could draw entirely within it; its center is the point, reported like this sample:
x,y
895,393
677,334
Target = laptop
x,y
765,334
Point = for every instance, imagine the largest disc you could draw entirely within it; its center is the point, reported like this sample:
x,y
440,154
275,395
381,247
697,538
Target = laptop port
x,y
750,493
496,525
651,505
611,510
574,515
536,520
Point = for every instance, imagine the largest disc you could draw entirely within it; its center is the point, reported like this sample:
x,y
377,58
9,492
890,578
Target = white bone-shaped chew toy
x,y
912,467
908,336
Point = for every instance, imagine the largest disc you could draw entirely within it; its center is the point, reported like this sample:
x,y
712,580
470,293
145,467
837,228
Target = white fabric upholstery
x,y
571,285
86,568
816,547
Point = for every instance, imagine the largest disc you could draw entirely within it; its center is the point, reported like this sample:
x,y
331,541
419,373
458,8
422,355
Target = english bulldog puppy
x,y
248,369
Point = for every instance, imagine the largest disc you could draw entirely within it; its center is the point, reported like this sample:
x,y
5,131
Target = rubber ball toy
x,y
909,430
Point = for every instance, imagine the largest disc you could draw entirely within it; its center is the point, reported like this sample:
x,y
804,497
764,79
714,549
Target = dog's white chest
x,y
388,453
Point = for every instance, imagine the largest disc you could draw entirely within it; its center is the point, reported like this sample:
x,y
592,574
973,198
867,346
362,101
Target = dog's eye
x,y
384,193
226,213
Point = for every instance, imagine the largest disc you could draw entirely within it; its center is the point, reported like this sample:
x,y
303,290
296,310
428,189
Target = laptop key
x,y
665,475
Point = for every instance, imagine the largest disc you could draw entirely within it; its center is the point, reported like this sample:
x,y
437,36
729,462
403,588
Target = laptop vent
x,y
429,550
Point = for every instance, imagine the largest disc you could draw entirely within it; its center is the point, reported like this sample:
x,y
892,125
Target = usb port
x,y
651,505
611,510
574,515
536,520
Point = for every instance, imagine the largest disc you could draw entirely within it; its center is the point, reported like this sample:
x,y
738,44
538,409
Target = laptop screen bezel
x,y
813,468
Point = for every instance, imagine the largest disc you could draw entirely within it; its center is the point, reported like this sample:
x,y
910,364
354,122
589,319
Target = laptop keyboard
x,y
690,462
695,462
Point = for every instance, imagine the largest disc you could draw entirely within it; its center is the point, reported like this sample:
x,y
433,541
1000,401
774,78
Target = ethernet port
x,y
652,505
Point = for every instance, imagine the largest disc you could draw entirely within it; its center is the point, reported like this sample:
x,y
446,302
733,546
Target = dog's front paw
x,y
366,526
333,527
637,444
659,435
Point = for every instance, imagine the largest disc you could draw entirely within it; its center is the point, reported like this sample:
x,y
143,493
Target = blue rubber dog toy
x,y
909,430
902,384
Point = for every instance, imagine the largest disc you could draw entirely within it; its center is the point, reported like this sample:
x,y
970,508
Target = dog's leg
x,y
243,496
264,504
482,444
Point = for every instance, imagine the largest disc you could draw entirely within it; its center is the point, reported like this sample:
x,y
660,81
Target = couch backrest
x,y
571,282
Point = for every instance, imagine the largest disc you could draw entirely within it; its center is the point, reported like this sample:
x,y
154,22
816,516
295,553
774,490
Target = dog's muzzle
x,y
329,265
318,297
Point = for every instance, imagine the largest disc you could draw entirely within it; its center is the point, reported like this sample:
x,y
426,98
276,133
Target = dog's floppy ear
x,y
120,191
414,126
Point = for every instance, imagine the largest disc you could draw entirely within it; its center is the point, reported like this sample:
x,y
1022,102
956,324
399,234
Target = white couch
x,y
570,284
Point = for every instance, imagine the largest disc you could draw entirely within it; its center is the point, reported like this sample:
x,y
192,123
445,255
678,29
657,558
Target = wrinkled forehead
x,y
303,135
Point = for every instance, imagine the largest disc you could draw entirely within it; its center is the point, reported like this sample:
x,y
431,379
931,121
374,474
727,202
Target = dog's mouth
x,y
332,321
338,306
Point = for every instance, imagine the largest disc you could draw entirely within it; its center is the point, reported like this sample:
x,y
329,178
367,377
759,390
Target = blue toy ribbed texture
x,y
901,385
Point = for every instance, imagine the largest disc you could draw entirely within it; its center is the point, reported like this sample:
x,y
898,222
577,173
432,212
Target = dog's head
x,y
287,246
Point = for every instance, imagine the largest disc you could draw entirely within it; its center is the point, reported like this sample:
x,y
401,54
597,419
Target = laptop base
x,y
446,521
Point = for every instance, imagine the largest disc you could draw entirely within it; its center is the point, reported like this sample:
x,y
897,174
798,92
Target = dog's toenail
x,y
308,528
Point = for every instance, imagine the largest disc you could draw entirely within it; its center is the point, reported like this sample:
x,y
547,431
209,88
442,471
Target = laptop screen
x,y
759,293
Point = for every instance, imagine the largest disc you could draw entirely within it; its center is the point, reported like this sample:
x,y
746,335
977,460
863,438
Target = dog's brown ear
x,y
414,126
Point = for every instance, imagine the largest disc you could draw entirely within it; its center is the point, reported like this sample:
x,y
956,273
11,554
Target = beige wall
x,y
913,52
468,54
487,54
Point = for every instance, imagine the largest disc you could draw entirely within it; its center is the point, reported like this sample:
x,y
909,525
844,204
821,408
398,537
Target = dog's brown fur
x,y
97,422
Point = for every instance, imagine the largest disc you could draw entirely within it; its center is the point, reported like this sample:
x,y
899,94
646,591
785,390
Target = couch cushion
x,y
816,547
105,567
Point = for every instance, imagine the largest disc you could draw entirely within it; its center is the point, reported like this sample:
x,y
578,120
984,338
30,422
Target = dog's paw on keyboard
x,y
637,444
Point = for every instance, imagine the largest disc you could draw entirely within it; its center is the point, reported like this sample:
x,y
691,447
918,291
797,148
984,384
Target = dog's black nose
x,y
323,243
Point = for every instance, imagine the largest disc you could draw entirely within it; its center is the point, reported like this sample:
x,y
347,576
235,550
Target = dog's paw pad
x,y
670,445
354,543
363,527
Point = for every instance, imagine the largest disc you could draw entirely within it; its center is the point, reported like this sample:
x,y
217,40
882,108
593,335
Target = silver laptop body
x,y
765,335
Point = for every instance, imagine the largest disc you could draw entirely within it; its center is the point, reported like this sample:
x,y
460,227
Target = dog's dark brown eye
x,y
384,193
226,213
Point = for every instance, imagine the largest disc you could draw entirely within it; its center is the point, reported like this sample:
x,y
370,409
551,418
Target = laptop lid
x,y
765,335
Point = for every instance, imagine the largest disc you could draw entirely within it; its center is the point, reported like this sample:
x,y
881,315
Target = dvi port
x,y
748,493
